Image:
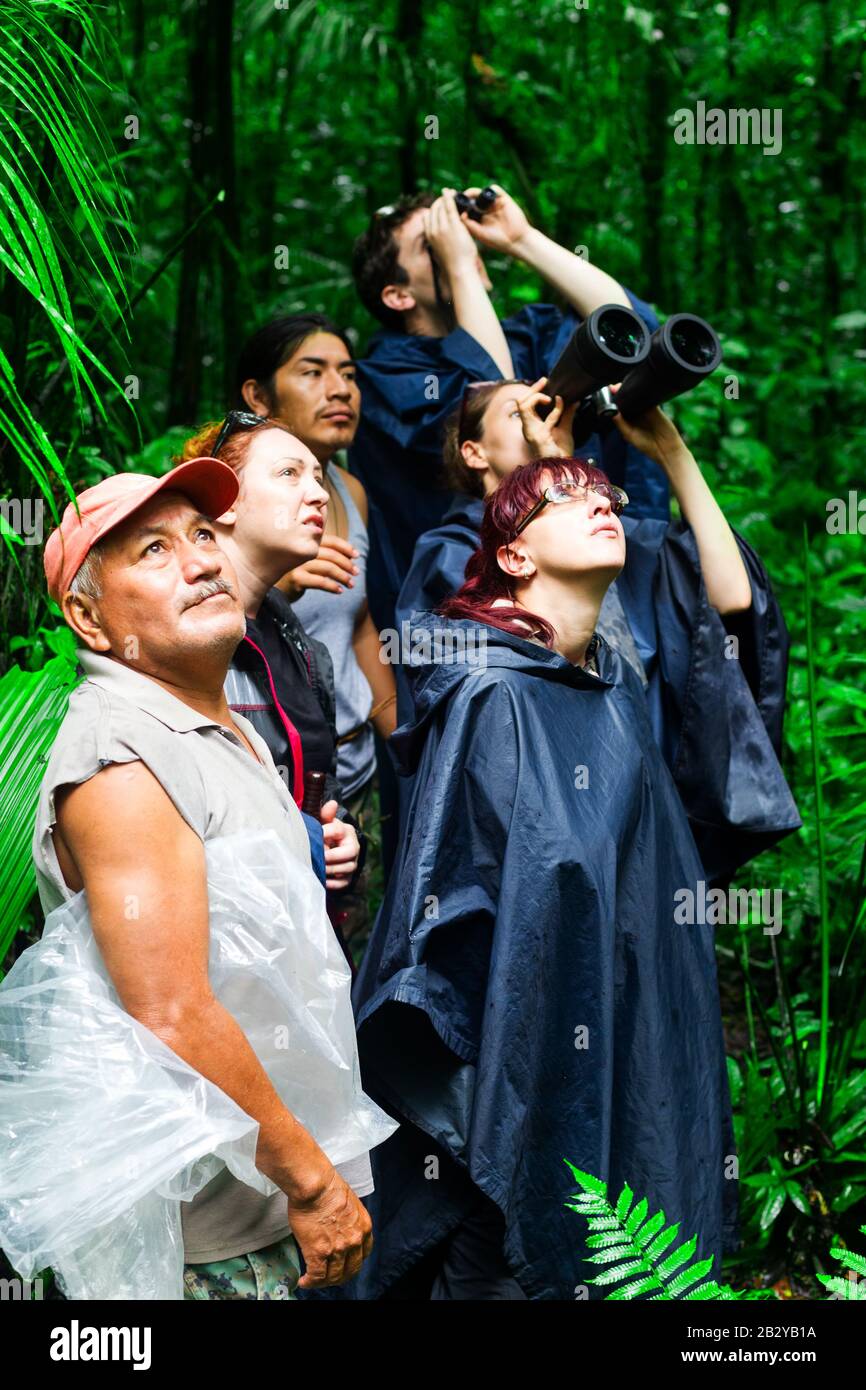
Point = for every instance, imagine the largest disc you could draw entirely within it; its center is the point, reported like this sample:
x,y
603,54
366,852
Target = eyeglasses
x,y
236,420
570,492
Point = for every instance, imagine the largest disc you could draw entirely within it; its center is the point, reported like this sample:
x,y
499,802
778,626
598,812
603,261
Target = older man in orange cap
x,y
149,766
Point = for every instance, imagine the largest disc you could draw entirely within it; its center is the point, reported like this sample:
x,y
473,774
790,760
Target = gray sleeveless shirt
x,y
119,715
331,618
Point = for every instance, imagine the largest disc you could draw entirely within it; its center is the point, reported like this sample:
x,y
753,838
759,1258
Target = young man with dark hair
x,y
300,368
418,270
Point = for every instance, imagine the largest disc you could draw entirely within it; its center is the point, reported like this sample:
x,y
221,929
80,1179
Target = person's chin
x,y
338,436
304,546
613,564
608,558
215,619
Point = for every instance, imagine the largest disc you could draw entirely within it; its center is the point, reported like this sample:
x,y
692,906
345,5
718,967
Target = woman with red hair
x,y
693,611
529,993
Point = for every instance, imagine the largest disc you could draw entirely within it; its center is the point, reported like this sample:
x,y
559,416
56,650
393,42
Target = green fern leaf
x,y
637,1216
587,1181
689,1276
663,1240
850,1259
630,1291
611,1276
649,1228
623,1206
679,1256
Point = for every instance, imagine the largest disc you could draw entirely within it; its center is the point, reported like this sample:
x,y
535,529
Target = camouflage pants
x,y
266,1274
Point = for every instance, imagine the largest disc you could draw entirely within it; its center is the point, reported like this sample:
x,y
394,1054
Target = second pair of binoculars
x,y
612,345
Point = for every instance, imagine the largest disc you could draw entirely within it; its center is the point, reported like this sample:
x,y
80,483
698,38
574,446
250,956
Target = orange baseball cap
x,y
212,485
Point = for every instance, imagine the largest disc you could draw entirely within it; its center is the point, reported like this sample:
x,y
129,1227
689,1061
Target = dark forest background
x,y
174,173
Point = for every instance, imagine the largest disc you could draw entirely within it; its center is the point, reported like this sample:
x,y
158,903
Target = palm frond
x,y
32,705
63,210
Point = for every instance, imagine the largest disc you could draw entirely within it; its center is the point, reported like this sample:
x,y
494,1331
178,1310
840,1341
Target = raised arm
x,y
455,249
506,228
722,567
143,870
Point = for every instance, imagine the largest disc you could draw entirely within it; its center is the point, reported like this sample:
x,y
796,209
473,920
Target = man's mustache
x,y
206,590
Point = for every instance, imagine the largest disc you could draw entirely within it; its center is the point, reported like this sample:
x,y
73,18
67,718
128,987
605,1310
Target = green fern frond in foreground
x,y
634,1245
849,1289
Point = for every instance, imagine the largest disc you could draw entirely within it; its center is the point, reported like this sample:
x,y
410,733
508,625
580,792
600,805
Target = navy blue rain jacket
x,y
717,720
410,384
527,996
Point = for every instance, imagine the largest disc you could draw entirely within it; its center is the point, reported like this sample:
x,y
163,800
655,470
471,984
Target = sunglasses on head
x,y
234,421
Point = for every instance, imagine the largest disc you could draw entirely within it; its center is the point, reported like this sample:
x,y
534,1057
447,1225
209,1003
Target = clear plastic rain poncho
x,y
104,1130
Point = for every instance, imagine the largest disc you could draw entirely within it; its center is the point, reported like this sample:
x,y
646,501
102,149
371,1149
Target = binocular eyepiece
x,y
477,206
612,344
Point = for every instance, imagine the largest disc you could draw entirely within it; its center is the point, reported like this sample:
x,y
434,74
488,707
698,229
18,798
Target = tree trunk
x,y
186,367
653,167
739,289
841,91
410,24
231,240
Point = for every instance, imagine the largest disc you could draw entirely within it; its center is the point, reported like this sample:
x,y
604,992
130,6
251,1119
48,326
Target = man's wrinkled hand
x,y
334,1233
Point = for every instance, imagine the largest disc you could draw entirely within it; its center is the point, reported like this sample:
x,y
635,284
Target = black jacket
x,y
248,691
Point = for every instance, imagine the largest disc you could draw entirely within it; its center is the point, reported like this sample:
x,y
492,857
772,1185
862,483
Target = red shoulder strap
x,y
293,735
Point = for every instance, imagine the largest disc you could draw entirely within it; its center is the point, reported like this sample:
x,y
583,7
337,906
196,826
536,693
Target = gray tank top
x,y
332,618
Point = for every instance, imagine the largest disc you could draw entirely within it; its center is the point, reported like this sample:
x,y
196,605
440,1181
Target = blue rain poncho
x,y
527,995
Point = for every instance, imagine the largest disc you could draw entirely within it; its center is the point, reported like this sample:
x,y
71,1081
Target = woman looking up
x,y
528,993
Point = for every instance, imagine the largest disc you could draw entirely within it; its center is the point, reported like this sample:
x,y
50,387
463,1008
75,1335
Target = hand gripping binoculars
x,y
477,206
612,344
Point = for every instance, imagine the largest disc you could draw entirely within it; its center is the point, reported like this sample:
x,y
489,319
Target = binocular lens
x,y
616,329
694,344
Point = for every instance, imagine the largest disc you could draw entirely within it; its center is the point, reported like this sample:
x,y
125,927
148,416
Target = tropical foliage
x,y
643,1261
172,174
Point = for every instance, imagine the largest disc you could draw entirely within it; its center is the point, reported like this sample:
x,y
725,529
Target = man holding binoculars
x,y
418,270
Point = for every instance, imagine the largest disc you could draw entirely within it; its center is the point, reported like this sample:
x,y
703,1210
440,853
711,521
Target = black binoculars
x,y
612,344
477,206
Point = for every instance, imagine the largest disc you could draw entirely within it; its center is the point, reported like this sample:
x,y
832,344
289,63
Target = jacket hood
x,y
437,654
